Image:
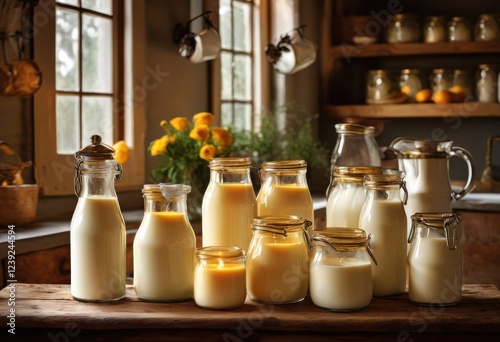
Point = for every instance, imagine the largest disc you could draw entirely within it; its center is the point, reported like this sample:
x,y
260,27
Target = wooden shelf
x,y
384,50
409,110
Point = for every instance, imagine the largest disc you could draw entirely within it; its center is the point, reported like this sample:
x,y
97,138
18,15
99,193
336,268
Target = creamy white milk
x,y
164,257
97,225
341,284
344,206
385,220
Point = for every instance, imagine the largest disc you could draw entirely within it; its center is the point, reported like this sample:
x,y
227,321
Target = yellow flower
x,y
203,118
207,152
122,152
159,145
200,132
180,123
163,123
223,136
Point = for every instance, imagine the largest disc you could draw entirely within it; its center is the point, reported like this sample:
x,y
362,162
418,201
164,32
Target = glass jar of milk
x,y
164,246
97,233
383,217
278,259
435,259
229,204
220,277
284,190
346,195
341,270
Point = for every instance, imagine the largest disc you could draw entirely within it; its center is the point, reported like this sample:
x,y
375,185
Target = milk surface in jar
x,y
98,234
229,204
435,259
346,195
164,246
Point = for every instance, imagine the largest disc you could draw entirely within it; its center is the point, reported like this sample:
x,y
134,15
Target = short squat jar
x,y
435,259
487,28
278,259
403,28
219,277
434,29
458,30
341,270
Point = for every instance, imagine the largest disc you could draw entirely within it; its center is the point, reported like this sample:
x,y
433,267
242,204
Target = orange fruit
x,y
405,90
122,152
458,93
423,95
443,96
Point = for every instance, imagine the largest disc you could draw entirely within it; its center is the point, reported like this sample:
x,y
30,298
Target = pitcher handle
x,y
471,170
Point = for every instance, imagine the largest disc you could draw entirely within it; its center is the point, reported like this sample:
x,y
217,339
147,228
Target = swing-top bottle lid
x,y
96,150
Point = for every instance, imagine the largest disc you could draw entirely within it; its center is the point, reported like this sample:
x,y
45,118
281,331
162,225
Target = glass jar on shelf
x,y
462,79
403,28
486,83
487,28
410,83
440,79
378,85
434,29
458,30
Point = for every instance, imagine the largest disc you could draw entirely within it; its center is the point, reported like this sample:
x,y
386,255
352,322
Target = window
x,y
90,54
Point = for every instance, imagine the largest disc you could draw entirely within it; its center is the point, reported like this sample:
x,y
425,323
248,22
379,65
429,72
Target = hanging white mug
x,y
207,46
296,56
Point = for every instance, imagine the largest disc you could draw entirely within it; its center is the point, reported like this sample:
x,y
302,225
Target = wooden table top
x,y
50,309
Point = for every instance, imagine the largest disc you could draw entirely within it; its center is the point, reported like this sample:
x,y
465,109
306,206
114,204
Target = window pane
x,y
226,114
67,50
225,27
68,2
242,27
102,6
67,124
242,78
243,116
226,75
97,118
97,61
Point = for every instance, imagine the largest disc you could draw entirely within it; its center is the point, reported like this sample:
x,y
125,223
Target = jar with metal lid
x,y
435,259
229,204
341,269
486,82
440,79
383,218
355,146
378,85
487,28
220,277
278,259
458,30
403,28
97,233
410,83
434,29
462,83
284,190
164,246
346,194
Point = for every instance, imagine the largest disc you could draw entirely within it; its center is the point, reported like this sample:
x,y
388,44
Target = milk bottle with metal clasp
x,y
426,167
98,244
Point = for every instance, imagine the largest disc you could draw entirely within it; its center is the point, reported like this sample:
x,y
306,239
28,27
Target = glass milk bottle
x,y
435,259
98,235
383,218
340,276
229,204
284,190
346,194
278,259
164,246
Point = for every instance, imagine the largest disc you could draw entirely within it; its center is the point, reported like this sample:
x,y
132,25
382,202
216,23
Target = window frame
x,y
55,173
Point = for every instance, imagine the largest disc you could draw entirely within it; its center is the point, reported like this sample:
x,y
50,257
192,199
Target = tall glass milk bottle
x,y
164,246
98,243
229,204
284,190
383,217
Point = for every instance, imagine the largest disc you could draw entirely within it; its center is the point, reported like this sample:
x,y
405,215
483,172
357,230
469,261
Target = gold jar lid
x,y
354,174
220,252
349,128
223,163
410,71
279,165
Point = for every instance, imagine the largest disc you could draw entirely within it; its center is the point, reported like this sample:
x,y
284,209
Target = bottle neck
x,y
285,177
240,176
157,203
97,184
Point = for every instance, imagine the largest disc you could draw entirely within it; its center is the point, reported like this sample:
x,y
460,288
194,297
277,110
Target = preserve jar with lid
x,y
434,29
340,276
229,204
486,82
458,30
378,85
383,218
278,259
97,231
284,190
487,28
462,78
410,83
403,28
219,277
164,246
435,259
440,79
346,194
